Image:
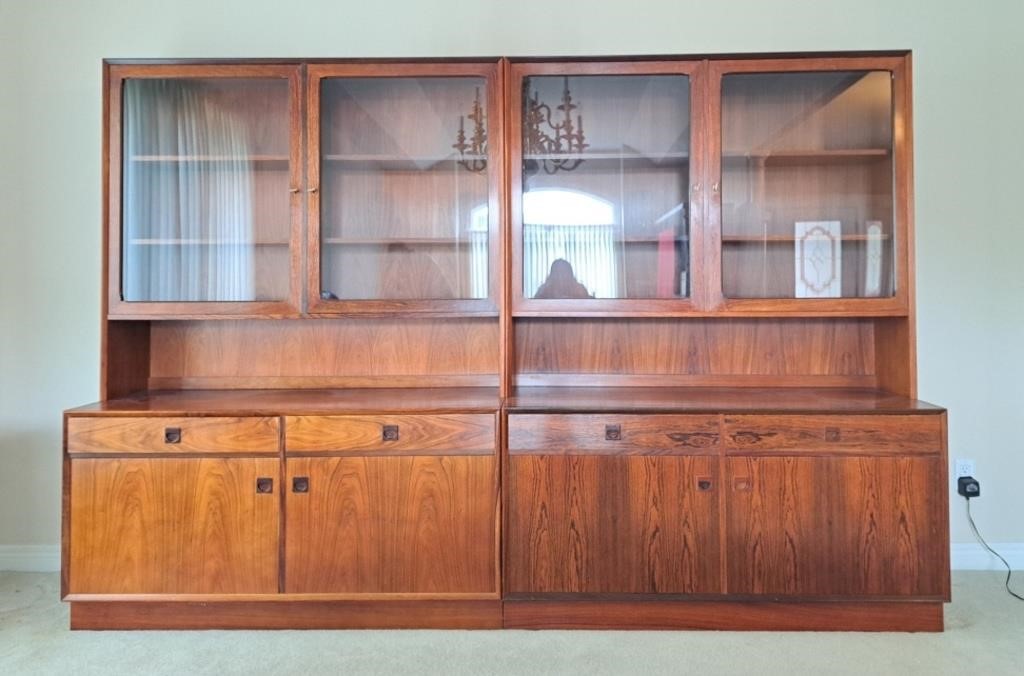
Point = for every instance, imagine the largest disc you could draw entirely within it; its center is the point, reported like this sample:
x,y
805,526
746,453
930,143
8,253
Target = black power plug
x,y
968,487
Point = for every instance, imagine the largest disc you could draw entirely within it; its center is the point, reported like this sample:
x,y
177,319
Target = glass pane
x,y
205,190
807,185
605,186
404,181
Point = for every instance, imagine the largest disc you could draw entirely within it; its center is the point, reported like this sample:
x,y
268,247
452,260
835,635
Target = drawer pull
x,y
833,434
613,432
704,483
742,483
390,433
172,435
264,485
300,484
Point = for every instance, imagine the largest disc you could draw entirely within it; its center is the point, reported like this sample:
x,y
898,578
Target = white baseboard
x,y
972,556
30,558
964,556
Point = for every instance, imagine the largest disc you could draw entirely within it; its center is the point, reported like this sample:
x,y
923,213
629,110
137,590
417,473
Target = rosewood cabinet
x,y
536,343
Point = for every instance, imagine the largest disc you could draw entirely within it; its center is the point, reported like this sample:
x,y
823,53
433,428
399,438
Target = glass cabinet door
x,y
807,176
603,206
405,214
207,185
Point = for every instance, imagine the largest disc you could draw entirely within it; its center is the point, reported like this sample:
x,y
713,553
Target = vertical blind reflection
x,y
188,210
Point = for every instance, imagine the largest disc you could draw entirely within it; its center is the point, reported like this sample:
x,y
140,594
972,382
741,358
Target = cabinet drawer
x,y
850,433
465,434
173,435
611,434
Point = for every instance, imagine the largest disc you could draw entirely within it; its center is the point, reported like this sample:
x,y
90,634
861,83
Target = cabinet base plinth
x,y
473,614
726,615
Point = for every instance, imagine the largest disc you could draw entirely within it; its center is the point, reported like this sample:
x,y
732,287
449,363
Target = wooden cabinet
x,y
173,525
867,526
394,524
508,342
627,524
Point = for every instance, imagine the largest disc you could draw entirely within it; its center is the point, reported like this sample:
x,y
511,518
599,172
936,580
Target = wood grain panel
x,y
469,433
836,526
794,348
266,353
172,525
889,434
391,524
420,614
637,434
719,615
625,524
147,435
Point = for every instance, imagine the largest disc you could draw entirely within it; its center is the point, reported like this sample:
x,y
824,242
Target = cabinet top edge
x,y
286,402
569,58
715,400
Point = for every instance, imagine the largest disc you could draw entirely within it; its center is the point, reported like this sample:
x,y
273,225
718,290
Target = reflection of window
x,y
573,225
188,224
478,251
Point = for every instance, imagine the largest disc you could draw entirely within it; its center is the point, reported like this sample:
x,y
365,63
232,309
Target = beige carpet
x,y
984,635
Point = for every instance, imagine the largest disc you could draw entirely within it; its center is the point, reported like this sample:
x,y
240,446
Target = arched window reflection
x,y
573,227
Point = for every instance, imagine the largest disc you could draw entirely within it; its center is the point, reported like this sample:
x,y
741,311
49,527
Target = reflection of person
x,y
561,283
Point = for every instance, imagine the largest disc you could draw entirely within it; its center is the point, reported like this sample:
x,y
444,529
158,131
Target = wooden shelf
x,y
383,241
401,162
797,157
206,158
204,242
668,158
783,239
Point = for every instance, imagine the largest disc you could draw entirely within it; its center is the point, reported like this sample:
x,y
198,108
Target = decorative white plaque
x,y
819,259
873,262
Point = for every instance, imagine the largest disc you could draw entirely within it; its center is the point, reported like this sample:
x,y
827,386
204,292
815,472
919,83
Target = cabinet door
x,y
811,203
413,524
405,173
602,165
837,526
612,523
174,525
205,207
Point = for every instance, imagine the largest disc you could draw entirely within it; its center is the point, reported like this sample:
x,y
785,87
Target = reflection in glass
x,y
807,185
404,188
205,186
605,210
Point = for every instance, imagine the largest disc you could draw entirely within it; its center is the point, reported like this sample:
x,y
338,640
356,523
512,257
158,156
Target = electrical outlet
x,y
963,467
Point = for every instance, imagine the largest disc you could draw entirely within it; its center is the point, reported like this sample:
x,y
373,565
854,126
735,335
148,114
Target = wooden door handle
x,y
300,484
172,435
613,432
389,433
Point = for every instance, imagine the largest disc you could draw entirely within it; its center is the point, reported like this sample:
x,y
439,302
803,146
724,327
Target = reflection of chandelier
x,y
477,147
555,149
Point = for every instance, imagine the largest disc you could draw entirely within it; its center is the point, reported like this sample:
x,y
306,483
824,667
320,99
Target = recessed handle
x,y
704,483
742,484
389,433
833,434
264,484
172,435
300,484
613,432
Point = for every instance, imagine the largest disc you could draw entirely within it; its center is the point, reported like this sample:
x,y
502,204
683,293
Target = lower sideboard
x,y
526,516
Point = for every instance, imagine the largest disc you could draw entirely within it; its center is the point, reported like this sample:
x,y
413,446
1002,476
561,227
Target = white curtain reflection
x,y
571,225
478,251
187,197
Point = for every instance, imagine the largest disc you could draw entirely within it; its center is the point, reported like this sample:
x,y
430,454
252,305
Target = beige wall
x,y
969,149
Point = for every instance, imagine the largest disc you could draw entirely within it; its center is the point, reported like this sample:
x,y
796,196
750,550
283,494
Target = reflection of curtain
x,y
478,264
187,224
590,249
